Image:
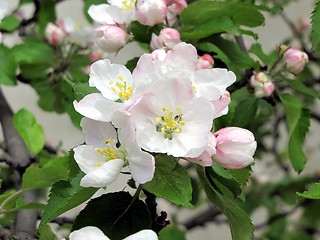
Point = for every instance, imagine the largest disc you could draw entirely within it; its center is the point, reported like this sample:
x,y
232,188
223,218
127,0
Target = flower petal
x,y
99,13
87,158
88,233
143,235
96,107
103,175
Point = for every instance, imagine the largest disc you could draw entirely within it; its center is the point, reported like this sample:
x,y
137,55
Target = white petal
x,y
103,175
103,72
143,235
96,107
99,13
88,233
96,132
126,129
87,158
142,164
212,83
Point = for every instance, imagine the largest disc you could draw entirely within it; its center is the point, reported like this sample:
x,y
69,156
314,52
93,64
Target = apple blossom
x,y
168,38
101,160
235,147
94,233
151,12
54,34
205,62
170,119
110,38
176,6
262,85
295,60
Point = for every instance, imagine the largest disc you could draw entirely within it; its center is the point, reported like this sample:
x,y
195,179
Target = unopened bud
x,y
151,12
205,62
262,85
295,60
168,38
54,34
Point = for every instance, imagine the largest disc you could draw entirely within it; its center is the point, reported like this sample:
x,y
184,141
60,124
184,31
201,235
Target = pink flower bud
x,y
110,38
95,56
235,147
54,34
302,24
295,60
262,85
167,38
151,12
177,6
205,62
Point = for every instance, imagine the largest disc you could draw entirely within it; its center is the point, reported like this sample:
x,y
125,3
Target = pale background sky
x,y
59,127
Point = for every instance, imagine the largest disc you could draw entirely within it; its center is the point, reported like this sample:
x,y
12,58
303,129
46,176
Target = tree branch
x,y
25,223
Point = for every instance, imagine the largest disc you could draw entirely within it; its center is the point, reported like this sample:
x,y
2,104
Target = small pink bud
x,y
295,60
168,38
95,56
262,85
205,62
151,12
177,6
221,105
54,34
268,89
235,147
302,24
110,38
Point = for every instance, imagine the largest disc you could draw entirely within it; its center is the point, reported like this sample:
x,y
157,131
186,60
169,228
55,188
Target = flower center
x,y
121,88
128,4
169,123
110,152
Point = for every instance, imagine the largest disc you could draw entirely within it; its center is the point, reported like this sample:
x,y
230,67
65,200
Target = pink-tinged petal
x,y
96,107
103,175
96,132
203,160
126,130
182,56
99,13
145,66
88,233
142,164
87,158
221,106
143,235
103,73
212,83
233,161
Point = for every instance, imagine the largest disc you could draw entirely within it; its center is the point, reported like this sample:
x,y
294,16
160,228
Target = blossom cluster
x,y
166,105
115,19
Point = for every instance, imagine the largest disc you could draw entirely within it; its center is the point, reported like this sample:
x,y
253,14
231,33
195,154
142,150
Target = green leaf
x,y
141,33
240,224
315,28
170,181
131,64
300,87
43,177
46,14
31,132
33,51
65,195
24,1
45,233
9,23
81,89
209,47
298,121
8,66
249,107
172,232
257,50
240,13
117,214
312,193
216,25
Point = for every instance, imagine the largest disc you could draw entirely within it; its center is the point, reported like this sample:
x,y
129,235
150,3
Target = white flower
x,y
102,160
94,233
4,7
169,119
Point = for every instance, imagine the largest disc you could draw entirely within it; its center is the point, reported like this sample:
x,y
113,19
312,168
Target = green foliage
x,y
47,14
117,214
298,121
65,195
240,13
81,89
257,50
247,106
240,224
170,181
9,23
8,66
43,177
312,193
31,132
172,233
302,88
45,233
315,31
